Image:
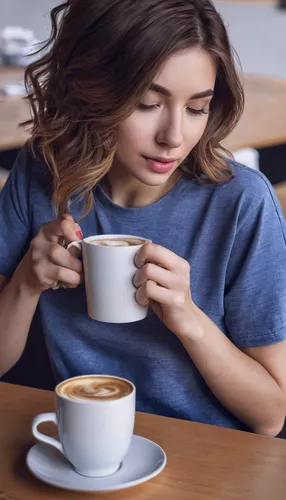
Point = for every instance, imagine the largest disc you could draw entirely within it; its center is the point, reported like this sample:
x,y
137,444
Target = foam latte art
x,y
117,242
95,388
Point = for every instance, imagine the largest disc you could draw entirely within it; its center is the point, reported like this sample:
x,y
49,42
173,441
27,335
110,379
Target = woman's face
x,y
169,121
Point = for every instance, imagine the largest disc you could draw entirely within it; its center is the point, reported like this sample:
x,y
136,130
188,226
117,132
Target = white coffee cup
x,y
94,435
109,273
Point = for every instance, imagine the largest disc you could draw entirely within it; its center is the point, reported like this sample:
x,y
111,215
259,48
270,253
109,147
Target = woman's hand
x,y
163,281
48,262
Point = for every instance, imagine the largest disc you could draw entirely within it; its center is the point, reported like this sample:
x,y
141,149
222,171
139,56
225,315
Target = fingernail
x,y
133,280
78,232
137,259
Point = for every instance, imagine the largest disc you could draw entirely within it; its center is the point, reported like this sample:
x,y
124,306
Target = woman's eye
x,y
146,107
197,111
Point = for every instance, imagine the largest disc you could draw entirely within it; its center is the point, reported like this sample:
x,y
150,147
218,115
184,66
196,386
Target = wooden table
x,y
203,462
263,122
281,195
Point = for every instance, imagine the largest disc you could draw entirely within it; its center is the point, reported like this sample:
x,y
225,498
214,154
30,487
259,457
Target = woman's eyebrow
x,y
162,90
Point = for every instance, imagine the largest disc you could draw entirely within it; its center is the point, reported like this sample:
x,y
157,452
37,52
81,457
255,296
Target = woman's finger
x,y
47,275
150,290
59,229
67,277
63,258
159,275
150,252
75,251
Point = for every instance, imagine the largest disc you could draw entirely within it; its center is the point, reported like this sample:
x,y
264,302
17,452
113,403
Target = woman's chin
x,y
154,179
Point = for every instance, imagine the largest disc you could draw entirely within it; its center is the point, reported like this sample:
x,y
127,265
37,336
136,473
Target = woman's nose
x,y
170,133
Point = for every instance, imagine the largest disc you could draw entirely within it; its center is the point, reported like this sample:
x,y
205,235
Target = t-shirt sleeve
x,y
14,215
255,295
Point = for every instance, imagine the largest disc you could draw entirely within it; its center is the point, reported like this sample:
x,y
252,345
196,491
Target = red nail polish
x,y
79,234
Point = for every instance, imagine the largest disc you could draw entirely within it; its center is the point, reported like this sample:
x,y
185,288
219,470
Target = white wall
x,y
258,32
32,14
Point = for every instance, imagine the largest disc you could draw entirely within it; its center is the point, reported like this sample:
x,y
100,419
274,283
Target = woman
x,y
129,107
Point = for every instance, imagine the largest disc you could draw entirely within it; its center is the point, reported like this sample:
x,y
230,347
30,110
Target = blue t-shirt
x,y
233,236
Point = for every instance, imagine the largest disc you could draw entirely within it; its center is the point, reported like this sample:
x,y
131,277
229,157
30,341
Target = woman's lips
x,y
159,166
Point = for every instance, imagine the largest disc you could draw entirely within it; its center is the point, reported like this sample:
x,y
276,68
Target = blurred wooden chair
x,y
3,177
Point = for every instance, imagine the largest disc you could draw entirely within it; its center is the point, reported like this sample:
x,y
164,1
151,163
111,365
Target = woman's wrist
x,y
191,327
22,283
24,289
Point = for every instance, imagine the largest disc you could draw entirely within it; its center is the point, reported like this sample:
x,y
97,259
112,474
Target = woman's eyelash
x,y
197,111
146,107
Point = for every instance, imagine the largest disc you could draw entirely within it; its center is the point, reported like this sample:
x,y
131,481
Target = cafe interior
x,y
203,462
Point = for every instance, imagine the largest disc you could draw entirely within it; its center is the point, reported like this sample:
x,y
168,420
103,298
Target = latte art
x,y
95,388
111,243
117,242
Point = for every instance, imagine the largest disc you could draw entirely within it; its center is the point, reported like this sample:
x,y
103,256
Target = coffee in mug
x,y
95,417
109,269
91,388
117,242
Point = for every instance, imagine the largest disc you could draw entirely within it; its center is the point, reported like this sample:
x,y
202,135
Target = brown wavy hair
x,y
100,59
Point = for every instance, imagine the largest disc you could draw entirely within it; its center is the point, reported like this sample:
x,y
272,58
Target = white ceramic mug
x,y
93,435
109,273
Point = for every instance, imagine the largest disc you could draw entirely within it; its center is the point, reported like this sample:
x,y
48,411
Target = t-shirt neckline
x,y
141,212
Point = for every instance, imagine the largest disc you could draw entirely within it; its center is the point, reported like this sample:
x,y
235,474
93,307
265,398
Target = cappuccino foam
x,y
117,242
95,388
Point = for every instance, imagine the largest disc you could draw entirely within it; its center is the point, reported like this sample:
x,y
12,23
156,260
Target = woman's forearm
x,y
239,382
17,308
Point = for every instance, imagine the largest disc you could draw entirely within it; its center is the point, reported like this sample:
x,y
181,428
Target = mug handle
x,y
46,417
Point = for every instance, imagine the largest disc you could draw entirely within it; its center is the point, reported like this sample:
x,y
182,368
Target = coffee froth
x,y
95,388
117,242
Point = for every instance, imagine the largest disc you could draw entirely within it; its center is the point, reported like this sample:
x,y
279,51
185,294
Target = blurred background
x,y
257,29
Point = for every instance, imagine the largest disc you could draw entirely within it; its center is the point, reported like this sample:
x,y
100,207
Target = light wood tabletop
x,y
203,462
263,122
281,195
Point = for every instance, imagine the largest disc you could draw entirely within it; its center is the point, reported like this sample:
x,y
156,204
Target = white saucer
x,y
143,461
